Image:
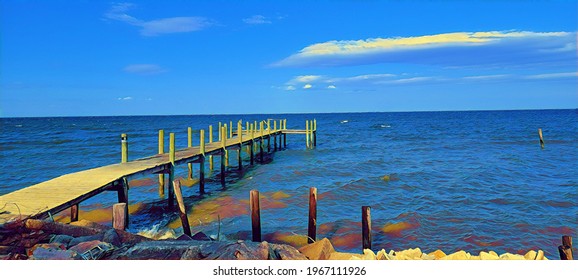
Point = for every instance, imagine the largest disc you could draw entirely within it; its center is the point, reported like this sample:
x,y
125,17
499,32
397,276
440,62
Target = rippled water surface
x,y
435,180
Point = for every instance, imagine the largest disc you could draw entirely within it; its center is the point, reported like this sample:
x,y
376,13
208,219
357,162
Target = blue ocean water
x,y
474,180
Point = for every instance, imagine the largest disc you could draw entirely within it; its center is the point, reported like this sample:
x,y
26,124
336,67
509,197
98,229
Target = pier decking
x,y
67,191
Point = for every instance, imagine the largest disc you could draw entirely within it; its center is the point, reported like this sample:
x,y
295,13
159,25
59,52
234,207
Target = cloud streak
x,y
494,48
157,27
257,19
144,69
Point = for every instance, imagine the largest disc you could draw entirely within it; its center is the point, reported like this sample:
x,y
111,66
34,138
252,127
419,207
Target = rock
x,y
158,250
47,246
531,255
345,256
61,238
382,255
81,239
92,250
286,252
112,237
494,253
320,250
89,224
369,255
409,254
509,256
50,253
488,256
184,237
193,253
459,255
437,254
540,255
201,236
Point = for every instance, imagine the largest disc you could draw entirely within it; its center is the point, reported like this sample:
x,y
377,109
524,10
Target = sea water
x,y
475,180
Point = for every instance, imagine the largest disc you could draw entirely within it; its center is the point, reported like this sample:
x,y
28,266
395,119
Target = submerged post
x,y
255,215
202,164
312,229
161,151
565,249
366,227
541,138
124,148
182,208
190,144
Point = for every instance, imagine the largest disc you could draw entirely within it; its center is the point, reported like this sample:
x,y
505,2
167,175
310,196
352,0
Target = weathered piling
x,y
182,208
366,227
74,213
190,144
119,214
171,168
161,151
541,138
285,134
239,152
231,129
124,148
210,142
314,133
566,249
255,215
223,154
225,129
202,163
312,228
252,145
307,141
269,136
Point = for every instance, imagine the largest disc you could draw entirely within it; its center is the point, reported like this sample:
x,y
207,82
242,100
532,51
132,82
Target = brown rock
x,y
48,246
320,250
286,252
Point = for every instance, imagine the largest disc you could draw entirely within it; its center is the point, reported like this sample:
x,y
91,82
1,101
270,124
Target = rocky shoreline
x,y
84,240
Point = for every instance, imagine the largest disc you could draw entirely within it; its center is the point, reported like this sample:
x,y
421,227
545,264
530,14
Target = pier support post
x,y
190,144
182,208
239,152
119,214
366,227
255,215
124,148
172,169
202,164
74,213
307,134
261,142
314,133
565,249
210,142
223,154
161,151
541,138
312,229
225,145
252,146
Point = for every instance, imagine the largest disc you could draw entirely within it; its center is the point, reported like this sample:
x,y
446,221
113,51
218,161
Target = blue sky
x,y
87,58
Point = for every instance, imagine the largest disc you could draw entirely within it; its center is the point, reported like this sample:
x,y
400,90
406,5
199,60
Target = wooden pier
x,y
68,191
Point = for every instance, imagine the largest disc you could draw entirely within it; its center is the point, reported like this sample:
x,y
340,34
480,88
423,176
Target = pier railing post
x,y
255,216
225,145
223,155
172,168
307,134
182,208
248,134
261,142
312,229
366,227
124,148
231,129
161,151
314,133
252,147
190,144
202,163
285,134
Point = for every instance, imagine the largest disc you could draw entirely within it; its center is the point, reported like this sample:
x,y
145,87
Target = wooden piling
x,y
190,144
231,129
220,131
252,146
248,131
312,229
240,137
307,134
255,215
224,141
202,163
566,249
161,151
541,138
314,133
172,168
74,213
223,156
366,227
124,148
261,142
119,214
182,208
210,142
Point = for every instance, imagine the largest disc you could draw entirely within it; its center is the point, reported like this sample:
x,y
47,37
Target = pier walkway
x,y
67,191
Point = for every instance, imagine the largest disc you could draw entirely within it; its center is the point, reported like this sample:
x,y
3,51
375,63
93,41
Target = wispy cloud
x,y
157,27
495,48
375,81
257,19
144,69
125,98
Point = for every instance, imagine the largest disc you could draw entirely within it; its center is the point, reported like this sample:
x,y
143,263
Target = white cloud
x,y
158,26
144,69
125,98
307,86
552,76
494,48
257,19
331,87
289,87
